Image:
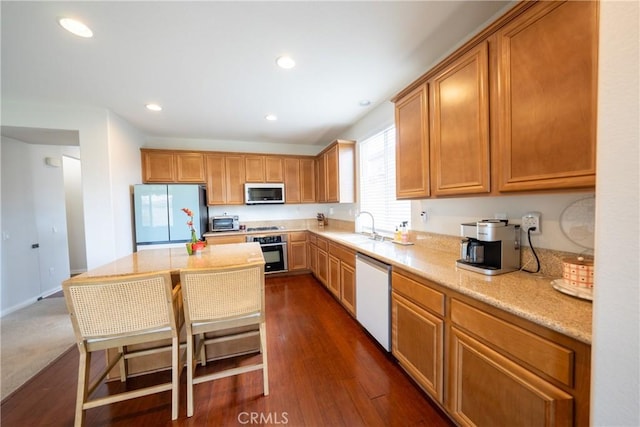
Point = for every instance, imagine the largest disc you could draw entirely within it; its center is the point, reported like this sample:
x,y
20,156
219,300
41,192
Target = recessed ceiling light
x,y
271,117
285,62
365,103
153,107
75,27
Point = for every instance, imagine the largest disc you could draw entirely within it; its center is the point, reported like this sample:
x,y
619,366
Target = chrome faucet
x,y
374,235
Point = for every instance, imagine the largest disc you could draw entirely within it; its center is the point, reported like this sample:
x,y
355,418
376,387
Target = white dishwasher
x,y
373,293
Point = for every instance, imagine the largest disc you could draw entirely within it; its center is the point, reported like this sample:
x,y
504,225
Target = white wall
x,y
98,168
33,211
273,212
233,146
125,171
616,307
76,236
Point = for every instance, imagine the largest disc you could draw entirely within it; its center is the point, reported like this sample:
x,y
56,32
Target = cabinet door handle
x,y
35,246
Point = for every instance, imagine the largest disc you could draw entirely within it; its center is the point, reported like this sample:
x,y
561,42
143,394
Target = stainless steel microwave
x,y
262,194
225,223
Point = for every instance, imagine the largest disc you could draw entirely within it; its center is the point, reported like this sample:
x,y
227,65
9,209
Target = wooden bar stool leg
x,y
203,351
175,377
124,365
263,350
83,386
190,372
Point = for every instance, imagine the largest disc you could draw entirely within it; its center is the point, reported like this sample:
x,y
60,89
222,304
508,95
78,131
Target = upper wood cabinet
x,y
254,168
307,180
273,169
216,180
190,167
234,175
225,179
292,180
459,125
225,173
321,180
336,173
546,97
412,145
261,168
515,105
299,180
163,166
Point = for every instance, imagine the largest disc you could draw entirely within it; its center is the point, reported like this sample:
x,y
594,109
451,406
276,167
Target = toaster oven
x,y
225,223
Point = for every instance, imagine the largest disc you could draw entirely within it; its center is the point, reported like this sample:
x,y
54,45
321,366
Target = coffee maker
x,y
490,246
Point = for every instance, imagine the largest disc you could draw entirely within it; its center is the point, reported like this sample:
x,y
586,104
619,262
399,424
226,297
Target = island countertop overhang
x,y
175,259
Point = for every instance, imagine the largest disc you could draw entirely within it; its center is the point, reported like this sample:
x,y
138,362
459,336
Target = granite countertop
x,y
174,259
526,295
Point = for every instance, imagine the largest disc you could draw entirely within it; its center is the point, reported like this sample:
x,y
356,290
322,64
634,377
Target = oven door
x,y
275,257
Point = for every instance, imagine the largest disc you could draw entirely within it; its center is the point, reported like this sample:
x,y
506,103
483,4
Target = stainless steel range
x,y
265,228
274,249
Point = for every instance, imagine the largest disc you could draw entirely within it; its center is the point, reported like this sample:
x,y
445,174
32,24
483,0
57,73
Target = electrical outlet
x,y
531,220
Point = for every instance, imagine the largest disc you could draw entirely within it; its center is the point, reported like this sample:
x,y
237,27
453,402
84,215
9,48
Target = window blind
x,y
378,184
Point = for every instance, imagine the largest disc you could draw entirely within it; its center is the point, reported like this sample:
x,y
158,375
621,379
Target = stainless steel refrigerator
x,y
158,215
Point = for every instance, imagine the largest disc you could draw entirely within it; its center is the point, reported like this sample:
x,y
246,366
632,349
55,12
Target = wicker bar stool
x,y
218,300
117,312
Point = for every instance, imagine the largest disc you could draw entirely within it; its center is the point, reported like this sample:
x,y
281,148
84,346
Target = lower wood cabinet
x,y
484,366
312,248
297,251
487,389
334,276
322,261
334,266
417,338
348,289
222,240
342,275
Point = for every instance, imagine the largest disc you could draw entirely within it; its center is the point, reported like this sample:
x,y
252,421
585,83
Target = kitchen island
x,y
173,260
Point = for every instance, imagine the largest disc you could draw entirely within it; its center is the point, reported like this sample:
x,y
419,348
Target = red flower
x,y
190,214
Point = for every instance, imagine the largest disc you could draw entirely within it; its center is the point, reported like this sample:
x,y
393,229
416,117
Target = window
x,y
378,184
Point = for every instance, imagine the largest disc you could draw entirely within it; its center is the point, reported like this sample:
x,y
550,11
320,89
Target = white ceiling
x,y
211,64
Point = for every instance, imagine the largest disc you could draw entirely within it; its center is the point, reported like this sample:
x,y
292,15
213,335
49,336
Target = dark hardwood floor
x,y
324,370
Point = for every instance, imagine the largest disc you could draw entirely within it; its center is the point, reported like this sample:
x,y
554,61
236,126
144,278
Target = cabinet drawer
x,y
298,236
223,240
541,354
345,255
322,244
418,293
313,239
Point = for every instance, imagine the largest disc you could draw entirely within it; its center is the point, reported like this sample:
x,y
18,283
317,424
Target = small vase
x,y
189,248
